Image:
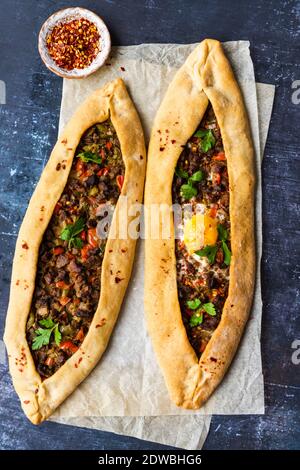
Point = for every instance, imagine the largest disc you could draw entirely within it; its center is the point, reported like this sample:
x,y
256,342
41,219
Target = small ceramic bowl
x,y
64,16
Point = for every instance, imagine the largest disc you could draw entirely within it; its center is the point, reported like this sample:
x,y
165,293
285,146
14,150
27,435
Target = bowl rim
x,y
50,63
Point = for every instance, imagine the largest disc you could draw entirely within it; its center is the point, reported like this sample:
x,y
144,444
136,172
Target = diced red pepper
x,y
220,156
76,301
213,211
57,207
80,335
49,361
120,181
93,239
64,301
102,153
80,165
103,171
108,145
62,285
83,235
68,346
85,252
58,250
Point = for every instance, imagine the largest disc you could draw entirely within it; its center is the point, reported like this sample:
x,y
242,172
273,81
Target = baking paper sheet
x,y
126,393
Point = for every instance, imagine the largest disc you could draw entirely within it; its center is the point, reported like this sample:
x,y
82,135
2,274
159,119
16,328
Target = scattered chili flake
x,y
74,45
213,359
26,402
118,279
173,141
123,250
63,166
141,157
42,208
25,246
79,360
58,167
64,141
162,149
123,69
18,282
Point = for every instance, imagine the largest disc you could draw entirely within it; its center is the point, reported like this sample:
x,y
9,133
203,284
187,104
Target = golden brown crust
x,y
205,76
39,399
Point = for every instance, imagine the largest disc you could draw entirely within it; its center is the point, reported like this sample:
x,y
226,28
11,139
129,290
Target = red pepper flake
x,y
17,282
64,141
123,69
123,250
118,279
141,157
20,370
58,167
26,402
76,365
36,391
102,323
70,149
74,45
173,141
167,131
63,166
213,359
108,64
110,251
79,360
42,208
159,131
41,219
25,246
162,149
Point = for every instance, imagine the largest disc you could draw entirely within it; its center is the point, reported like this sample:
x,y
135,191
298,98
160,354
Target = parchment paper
x,y
126,392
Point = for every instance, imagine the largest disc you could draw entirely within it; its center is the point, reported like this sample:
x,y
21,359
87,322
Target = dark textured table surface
x,y
28,129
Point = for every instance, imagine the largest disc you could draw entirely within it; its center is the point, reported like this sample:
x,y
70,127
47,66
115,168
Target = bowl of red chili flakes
x,y
74,42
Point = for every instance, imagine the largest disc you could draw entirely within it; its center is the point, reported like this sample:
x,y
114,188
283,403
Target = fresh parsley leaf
x,y
196,177
89,157
208,251
57,335
42,338
207,137
210,309
69,233
201,133
196,319
181,173
47,322
43,335
223,233
187,191
227,253
193,304
76,242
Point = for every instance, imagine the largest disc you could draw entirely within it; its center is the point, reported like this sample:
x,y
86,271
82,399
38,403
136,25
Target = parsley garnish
x,y
207,137
197,318
193,304
209,251
181,173
188,190
43,335
223,236
89,157
196,177
70,231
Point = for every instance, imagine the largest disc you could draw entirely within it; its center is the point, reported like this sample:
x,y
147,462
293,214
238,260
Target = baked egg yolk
x,y
200,230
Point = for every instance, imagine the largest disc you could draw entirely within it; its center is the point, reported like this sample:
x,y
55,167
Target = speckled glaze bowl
x,y
64,16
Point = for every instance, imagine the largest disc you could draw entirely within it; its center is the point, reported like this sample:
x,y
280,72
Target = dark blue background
x,y
28,129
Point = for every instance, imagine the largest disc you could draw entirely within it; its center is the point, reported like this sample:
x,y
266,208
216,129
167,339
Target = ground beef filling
x,y
67,286
203,276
